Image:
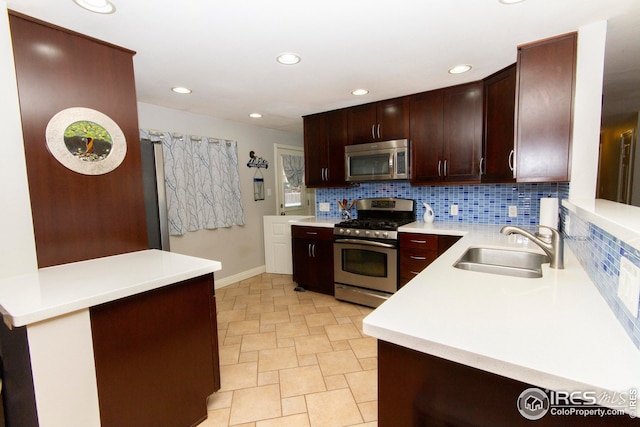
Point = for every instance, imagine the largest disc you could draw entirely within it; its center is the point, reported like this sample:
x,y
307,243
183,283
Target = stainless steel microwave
x,y
377,161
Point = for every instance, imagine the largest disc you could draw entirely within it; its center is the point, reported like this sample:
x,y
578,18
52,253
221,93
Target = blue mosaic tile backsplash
x,y
482,203
599,253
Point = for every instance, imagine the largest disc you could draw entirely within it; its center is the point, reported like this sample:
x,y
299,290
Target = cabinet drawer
x,y
413,261
305,232
425,242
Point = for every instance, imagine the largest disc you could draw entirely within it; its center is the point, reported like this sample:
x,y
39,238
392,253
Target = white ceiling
x,y
225,49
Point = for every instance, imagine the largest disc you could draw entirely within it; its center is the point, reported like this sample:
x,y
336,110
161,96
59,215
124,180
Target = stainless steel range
x,y
365,250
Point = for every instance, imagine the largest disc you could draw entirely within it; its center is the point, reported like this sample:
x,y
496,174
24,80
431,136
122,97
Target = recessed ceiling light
x,y
359,92
180,89
288,58
255,115
510,1
459,69
98,6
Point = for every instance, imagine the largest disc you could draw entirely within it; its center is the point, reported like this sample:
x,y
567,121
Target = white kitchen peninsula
x,y
134,326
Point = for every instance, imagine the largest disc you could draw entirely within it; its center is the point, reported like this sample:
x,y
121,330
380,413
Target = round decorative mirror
x,y
86,141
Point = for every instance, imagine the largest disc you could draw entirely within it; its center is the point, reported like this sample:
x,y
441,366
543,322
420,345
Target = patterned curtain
x,y
293,169
202,182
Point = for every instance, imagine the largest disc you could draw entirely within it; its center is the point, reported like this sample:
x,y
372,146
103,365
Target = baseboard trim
x,y
226,281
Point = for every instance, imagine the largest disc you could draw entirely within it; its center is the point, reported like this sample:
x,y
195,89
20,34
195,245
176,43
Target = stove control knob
x,y
347,231
367,232
341,231
357,232
385,234
377,234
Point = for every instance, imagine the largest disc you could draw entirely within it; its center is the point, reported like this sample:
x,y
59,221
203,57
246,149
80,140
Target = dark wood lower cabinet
x,y
156,356
418,250
313,258
419,390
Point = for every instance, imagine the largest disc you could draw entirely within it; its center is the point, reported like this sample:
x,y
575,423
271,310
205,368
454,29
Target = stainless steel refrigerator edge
x,y
155,199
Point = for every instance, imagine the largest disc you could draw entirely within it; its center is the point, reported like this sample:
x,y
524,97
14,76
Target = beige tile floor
x,y
292,359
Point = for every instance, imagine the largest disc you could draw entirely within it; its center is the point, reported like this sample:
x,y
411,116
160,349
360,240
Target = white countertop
x,y
555,332
62,289
312,221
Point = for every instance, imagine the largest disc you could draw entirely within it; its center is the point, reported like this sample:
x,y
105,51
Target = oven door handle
x,y
366,243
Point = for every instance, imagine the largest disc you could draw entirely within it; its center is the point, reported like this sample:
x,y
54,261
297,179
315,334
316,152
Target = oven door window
x,y
364,262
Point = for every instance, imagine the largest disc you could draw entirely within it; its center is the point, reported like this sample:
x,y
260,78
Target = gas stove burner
x,y
378,219
373,224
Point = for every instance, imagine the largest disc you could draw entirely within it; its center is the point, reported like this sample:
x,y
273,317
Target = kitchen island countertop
x,y
555,332
54,291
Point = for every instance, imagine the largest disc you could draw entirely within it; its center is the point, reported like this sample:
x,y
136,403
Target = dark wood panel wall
x,y
153,354
77,217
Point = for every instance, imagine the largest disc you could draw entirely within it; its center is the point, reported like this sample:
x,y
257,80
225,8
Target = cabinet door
x,y
392,119
313,258
322,271
301,257
325,135
546,75
314,149
445,242
499,126
380,121
462,132
362,121
335,127
426,127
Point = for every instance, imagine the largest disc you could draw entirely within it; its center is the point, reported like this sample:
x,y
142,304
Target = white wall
x,y
240,249
17,251
587,110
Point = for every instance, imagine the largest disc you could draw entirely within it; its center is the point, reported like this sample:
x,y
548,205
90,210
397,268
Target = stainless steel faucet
x,y
554,249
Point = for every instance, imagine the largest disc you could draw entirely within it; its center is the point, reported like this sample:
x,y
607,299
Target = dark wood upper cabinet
x,y
379,121
499,126
462,132
426,137
517,122
544,109
314,144
446,134
325,136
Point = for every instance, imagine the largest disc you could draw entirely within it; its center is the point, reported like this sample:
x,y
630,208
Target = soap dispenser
x,y
429,215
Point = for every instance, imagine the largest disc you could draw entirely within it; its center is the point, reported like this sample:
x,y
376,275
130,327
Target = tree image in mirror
x,y
88,141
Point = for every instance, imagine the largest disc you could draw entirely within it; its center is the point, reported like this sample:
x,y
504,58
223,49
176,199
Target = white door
x,y
277,243
292,196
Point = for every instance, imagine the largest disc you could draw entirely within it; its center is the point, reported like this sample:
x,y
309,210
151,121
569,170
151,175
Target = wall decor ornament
x,y
86,141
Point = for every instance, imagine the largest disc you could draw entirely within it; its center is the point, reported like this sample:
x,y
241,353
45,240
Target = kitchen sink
x,y
502,261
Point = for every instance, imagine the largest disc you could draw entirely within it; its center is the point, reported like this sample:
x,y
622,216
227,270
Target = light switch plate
x,y
454,210
513,211
324,207
629,285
